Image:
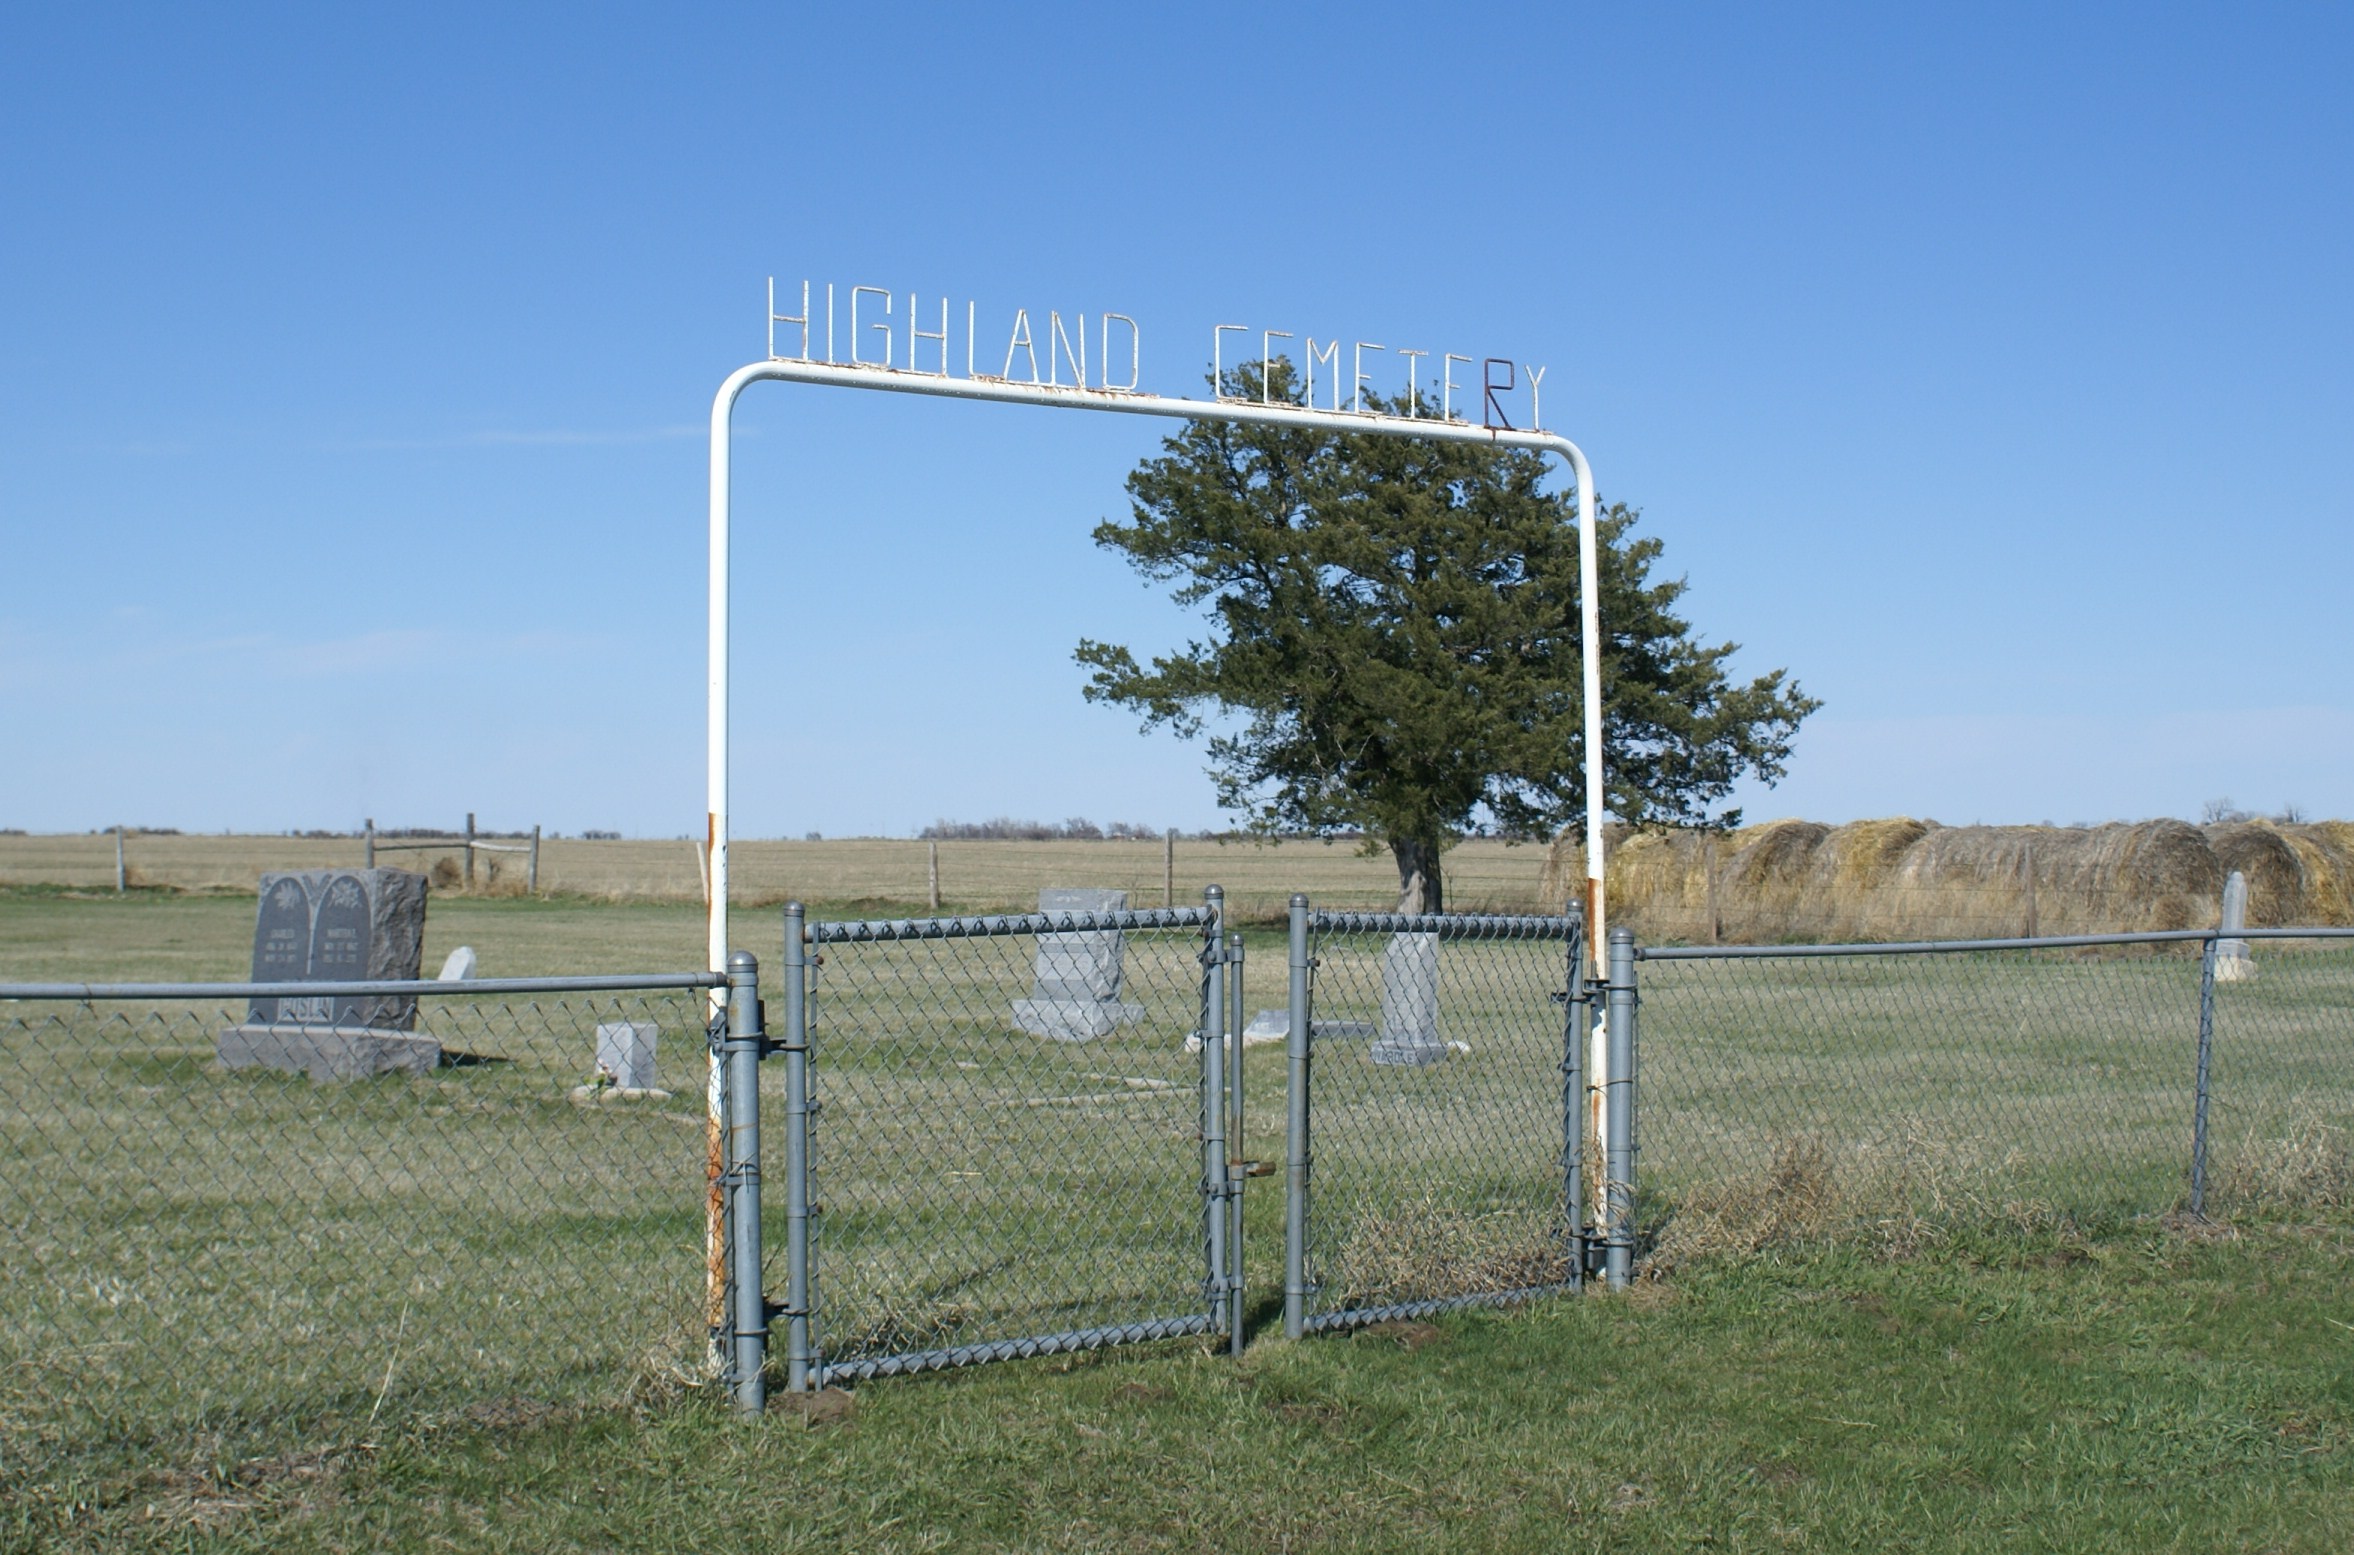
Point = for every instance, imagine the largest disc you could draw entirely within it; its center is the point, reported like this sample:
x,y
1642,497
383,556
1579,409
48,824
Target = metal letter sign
x,y
882,346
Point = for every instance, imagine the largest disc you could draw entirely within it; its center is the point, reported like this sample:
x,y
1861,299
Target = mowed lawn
x,y
2157,1391
2001,1385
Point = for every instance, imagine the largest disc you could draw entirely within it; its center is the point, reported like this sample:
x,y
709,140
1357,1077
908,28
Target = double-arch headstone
x,y
335,926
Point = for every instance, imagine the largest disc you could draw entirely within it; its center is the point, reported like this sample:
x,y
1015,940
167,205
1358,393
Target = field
x,y
1873,1326
979,876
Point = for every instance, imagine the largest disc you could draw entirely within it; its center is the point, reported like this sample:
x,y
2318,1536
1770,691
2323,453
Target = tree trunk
x,y
1418,874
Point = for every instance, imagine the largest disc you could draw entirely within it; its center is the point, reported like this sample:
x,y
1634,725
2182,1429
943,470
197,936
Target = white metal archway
x,y
1128,402
1135,404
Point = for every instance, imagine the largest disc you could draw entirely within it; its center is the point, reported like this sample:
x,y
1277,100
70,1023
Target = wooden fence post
x,y
469,850
1716,925
932,873
2027,868
532,883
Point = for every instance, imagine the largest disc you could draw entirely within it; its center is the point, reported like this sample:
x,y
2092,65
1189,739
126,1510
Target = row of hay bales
x,y
1903,879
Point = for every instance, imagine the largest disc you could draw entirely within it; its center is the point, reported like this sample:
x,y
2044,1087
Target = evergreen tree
x,y
1394,623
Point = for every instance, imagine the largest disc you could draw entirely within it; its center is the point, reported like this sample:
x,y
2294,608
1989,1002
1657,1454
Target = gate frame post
x,y
799,1356
1619,1114
2206,1058
1297,1047
1576,1033
1237,1168
1217,1174
742,1048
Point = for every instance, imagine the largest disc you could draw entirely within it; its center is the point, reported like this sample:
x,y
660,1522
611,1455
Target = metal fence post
x,y
1217,1175
1296,1048
1619,1113
795,1047
748,1357
1577,1029
1237,1167
2199,1100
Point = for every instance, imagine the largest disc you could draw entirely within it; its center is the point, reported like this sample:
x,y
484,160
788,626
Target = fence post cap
x,y
742,963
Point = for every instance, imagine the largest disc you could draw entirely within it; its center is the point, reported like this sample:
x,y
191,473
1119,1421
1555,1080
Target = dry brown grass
x,y
1435,1251
1895,1194
2308,1166
993,876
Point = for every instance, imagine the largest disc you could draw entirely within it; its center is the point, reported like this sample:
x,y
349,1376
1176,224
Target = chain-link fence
x,y
1006,1141
1894,1092
1437,1104
240,1259
1012,1136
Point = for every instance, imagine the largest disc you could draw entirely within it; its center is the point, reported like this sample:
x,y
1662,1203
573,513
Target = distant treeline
x,y
1006,829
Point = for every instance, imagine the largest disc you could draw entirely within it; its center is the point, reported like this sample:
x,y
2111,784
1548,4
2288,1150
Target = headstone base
x,y
599,1095
1074,1020
327,1052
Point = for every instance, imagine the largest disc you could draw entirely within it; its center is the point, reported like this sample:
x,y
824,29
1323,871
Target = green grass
x,y
2145,1391
245,1312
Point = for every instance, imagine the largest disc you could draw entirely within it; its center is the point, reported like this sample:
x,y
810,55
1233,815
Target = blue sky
x,y
1987,366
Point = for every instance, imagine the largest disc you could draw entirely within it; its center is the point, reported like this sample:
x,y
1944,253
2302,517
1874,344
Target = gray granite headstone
x,y
2233,964
625,1053
1075,980
1408,1031
335,925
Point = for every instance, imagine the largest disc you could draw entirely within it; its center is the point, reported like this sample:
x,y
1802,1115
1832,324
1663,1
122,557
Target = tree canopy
x,y
1392,642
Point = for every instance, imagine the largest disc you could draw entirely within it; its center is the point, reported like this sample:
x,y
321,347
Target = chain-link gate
x,y
1438,1098
1004,1136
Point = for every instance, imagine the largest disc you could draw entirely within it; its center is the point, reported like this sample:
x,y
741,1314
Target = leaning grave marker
x,y
335,925
1075,980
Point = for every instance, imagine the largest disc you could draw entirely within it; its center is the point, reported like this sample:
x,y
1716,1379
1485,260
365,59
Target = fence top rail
x,y
1560,926
841,933
1934,946
642,982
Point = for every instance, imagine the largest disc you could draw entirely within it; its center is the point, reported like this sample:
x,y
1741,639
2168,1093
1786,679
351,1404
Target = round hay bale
x,y
1762,883
2326,849
2122,877
1563,880
2275,870
1847,894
